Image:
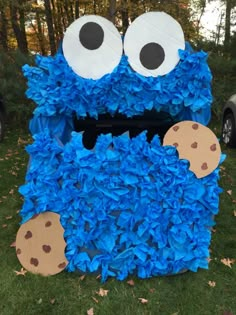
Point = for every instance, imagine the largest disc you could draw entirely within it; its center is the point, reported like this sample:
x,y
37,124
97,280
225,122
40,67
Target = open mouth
x,y
151,121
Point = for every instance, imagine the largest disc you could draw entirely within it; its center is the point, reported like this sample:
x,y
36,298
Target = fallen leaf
x,y
228,262
22,272
98,277
95,300
82,278
21,141
222,168
234,213
234,201
40,301
52,301
143,301
152,290
213,230
13,244
227,313
211,283
102,292
90,311
229,192
11,192
131,283
209,259
9,217
4,226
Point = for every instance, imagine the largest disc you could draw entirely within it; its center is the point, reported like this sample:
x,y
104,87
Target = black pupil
x,y
91,35
152,56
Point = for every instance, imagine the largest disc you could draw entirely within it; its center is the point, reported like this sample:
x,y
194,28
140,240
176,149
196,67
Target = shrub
x,y
13,86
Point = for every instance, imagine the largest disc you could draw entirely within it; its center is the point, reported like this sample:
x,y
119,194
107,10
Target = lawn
x,y
206,292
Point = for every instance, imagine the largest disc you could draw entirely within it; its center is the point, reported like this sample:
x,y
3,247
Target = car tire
x,y
1,127
229,130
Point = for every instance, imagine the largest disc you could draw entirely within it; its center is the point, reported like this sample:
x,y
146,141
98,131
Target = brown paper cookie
x,y
197,144
40,244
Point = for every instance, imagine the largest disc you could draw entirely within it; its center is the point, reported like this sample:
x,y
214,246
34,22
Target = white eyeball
x,y
152,42
92,46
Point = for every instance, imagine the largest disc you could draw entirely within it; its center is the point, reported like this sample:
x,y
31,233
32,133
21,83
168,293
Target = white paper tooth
x,y
126,133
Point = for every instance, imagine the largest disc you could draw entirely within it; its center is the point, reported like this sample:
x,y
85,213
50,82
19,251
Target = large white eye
x,y
152,42
92,46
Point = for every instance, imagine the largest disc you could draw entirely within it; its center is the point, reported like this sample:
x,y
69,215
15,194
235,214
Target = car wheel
x,y
228,130
1,127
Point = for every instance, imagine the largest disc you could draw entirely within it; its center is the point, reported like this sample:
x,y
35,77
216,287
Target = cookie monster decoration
x,y
104,192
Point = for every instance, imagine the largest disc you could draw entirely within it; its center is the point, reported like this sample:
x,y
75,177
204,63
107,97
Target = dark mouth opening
x,y
155,123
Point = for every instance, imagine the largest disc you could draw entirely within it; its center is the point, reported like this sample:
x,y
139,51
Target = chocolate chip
x,y
28,235
34,261
176,128
195,126
194,145
176,144
18,251
62,265
46,248
204,166
213,147
48,223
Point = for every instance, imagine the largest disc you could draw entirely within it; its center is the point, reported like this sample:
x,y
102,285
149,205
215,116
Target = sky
x,y
214,13
211,18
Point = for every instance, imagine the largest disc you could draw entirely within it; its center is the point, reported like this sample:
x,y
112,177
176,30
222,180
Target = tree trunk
x,y
111,15
77,9
18,27
124,15
227,25
49,21
3,29
94,7
40,33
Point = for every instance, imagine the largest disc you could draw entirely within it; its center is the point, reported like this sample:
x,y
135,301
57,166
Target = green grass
x,y
186,294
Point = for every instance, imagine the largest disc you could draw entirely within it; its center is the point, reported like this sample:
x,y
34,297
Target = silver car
x,y
229,122
2,114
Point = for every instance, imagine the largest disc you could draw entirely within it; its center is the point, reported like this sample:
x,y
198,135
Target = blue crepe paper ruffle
x,y
185,93
127,207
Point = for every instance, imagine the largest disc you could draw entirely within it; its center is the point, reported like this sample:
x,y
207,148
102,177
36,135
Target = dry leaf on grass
x,y
211,284
22,272
228,262
13,244
102,292
95,300
229,192
90,311
40,301
52,301
234,213
9,217
143,301
4,226
131,283
82,278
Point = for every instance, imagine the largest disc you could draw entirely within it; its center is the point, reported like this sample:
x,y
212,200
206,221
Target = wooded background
x,y
28,27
